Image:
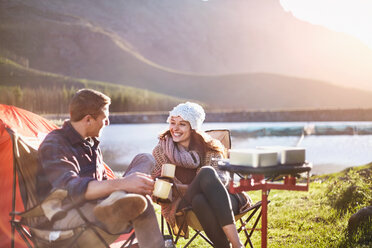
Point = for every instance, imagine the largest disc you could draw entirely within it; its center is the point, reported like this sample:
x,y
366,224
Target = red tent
x,y
32,129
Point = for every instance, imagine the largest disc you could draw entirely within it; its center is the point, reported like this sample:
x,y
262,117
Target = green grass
x,y
314,218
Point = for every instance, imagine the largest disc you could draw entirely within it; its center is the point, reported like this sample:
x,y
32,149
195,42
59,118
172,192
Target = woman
x,y
197,177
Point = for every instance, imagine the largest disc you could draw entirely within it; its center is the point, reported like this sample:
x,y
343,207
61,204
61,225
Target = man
x,y
71,159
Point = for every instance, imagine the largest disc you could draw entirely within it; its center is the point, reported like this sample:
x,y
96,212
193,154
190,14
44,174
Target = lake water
x,y
328,153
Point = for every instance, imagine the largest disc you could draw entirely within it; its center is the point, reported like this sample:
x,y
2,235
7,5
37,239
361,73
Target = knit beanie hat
x,y
191,112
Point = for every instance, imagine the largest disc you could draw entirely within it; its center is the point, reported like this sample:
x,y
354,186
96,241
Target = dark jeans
x,y
212,204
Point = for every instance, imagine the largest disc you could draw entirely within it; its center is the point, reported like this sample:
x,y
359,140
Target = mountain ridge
x,y
45,92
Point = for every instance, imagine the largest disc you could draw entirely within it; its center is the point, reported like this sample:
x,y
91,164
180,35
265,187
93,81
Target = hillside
x,y
192,50
43,92
266,91
256,91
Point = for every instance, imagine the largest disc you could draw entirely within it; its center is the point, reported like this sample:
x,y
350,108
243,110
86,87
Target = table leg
x,y
264,219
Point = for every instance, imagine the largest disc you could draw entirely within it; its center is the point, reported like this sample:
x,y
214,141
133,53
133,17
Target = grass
x,y
319,217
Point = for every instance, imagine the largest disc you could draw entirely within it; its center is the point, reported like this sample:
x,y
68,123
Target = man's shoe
x,y
118,209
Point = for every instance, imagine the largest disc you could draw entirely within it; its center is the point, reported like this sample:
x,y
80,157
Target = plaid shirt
x,y
69,162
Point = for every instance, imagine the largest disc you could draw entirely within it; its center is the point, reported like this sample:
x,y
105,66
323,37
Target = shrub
x,y
350,192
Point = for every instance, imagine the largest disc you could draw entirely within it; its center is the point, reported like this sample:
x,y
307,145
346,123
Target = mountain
x,y
45,92
228,54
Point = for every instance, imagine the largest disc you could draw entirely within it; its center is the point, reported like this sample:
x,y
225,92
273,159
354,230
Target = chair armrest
x,y
51,207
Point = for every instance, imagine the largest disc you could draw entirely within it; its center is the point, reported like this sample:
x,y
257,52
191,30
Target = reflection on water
x,y
121,142
328,153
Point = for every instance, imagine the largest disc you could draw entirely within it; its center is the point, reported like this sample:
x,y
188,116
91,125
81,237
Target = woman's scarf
x,y
178,155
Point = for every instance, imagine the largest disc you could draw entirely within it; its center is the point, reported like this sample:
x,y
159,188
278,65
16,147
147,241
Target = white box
x,y
253,157
287,154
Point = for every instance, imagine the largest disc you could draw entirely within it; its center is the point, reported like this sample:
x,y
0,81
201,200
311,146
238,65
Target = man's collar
x,y
93,142
74,137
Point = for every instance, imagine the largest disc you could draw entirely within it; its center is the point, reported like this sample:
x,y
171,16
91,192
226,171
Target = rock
x,y
363,216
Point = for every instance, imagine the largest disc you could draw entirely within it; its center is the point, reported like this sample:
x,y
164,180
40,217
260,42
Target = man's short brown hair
x,y
87,102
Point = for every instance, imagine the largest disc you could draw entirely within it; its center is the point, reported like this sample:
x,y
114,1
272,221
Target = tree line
x,y
55,100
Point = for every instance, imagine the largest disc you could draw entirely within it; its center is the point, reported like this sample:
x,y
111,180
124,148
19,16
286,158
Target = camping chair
x,y
242,219
34,225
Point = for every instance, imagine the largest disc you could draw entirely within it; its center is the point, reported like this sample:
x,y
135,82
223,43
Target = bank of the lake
x,y
245,116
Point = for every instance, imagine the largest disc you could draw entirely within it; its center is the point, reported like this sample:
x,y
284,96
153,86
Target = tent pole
x,y
13,195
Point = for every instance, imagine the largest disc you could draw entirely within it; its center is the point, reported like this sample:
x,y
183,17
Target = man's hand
x,y
138,183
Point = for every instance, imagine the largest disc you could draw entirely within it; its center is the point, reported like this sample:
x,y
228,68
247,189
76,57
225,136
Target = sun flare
x,y
353,17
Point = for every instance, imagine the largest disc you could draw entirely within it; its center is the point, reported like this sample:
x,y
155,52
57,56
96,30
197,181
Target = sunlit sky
x,y
353,17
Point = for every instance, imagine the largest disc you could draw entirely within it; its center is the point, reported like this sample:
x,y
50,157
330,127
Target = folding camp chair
x,y
253,213
34,225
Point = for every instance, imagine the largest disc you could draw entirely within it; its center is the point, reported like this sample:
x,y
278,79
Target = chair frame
x,y
248,231
197,233
19,224
243,222
242,228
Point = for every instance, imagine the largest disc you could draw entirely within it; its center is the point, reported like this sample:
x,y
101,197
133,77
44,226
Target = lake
x,y
330,146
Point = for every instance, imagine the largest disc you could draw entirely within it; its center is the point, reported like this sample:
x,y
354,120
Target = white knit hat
x,y
191,112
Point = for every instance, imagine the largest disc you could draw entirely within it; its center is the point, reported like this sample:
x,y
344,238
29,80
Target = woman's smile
x,y
180,130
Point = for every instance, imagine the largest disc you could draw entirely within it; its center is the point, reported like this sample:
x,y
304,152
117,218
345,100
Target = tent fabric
x,y
6,184
32,129
24,122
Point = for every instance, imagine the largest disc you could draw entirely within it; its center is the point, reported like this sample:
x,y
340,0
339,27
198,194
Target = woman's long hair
x,y
201,142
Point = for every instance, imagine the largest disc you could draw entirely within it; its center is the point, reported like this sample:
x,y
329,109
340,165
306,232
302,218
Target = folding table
x,y
256,178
